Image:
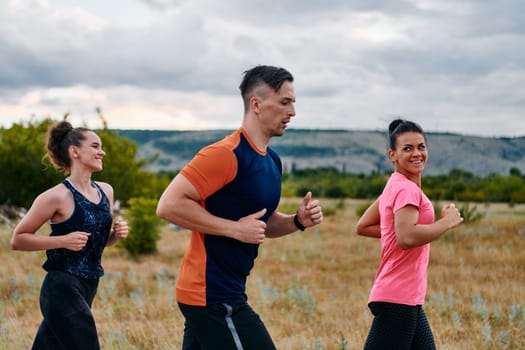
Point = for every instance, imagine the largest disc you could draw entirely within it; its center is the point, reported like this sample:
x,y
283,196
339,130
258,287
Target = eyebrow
x,y
418,144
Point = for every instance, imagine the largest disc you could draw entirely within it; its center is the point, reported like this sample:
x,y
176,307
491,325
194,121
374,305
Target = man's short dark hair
x,y
272,76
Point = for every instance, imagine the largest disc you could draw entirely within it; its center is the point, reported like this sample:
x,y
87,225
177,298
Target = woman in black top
x,y
80,214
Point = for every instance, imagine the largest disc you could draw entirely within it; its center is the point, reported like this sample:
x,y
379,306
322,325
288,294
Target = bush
x,y
470,213
144,227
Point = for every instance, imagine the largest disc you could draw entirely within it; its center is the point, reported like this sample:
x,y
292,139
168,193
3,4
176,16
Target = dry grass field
x,y
310,288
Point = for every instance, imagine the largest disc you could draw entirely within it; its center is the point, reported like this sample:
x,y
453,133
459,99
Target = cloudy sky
x,y
451,65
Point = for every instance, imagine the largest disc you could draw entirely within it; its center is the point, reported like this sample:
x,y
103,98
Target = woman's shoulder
x,y
399,184
400,180
53,197
59,191
106,187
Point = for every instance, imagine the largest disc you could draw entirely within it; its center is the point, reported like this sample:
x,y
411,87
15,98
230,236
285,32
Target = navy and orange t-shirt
x,y
234,179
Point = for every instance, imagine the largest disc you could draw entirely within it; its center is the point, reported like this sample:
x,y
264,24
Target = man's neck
x,y
256,134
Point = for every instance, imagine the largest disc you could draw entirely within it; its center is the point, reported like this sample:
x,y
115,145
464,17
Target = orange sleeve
x,y
213,167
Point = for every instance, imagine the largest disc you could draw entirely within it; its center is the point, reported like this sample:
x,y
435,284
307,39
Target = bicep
x,y
179,188
41,211
405,222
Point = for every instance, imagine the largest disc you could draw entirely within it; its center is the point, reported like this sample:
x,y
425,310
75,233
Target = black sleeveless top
x,y
87,216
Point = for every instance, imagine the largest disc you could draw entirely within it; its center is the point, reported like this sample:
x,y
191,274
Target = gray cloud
x,y
351,59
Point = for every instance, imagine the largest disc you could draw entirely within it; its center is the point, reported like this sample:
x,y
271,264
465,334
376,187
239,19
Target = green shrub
x,y
470,213
144,226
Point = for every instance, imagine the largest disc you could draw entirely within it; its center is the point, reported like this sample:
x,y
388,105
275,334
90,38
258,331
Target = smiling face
x,y
89,154
410,155
276,108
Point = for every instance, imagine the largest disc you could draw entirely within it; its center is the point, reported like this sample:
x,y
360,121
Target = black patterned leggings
x,y
65,302
399,327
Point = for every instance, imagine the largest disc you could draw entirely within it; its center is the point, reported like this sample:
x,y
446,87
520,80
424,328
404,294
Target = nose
x,y
291,113
417,152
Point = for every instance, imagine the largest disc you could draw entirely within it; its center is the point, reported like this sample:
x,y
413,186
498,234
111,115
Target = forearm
x,y
34,242
191,215
373,231
307,215
421,234
280,224
112,239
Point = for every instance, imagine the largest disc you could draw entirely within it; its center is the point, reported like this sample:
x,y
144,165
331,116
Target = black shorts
x,y
224,326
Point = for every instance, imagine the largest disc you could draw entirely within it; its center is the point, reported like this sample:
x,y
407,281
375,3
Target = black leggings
x,y
399,327
65,302
232,326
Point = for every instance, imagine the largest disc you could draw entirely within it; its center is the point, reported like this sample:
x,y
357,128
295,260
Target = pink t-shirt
x,y
402,274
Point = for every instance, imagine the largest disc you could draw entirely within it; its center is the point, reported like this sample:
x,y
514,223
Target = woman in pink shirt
x,y
403,218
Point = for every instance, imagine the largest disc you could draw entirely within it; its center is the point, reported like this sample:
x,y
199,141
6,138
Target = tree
x,y
26,172
514,171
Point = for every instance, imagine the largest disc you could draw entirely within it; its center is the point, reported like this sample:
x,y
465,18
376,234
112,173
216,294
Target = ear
x,y
73,152
255,104
392,155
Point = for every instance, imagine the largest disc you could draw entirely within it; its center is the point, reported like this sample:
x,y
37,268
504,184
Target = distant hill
x,y
350,151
